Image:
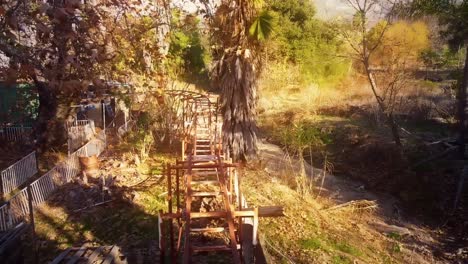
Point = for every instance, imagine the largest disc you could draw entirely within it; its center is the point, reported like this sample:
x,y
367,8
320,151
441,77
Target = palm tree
x,y
238,30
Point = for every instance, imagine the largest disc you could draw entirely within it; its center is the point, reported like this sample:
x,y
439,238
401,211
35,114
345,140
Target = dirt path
x,y
420,244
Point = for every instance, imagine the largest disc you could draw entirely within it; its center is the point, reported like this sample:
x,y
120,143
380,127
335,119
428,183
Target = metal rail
x,y
18,173
16,133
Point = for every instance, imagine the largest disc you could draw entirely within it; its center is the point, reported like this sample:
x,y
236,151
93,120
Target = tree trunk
x,y
389,116
394,127
47,112
238,105
462,91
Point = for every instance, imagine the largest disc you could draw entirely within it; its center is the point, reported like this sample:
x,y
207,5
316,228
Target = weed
x,y
341,260
395,247
311,243
144,169
346,248
394,236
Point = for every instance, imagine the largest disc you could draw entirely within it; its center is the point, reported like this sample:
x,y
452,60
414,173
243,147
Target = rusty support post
x,y
188,210
169,196
169,188
229,213
178,189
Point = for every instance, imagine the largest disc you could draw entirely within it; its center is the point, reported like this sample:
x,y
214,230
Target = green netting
x,y
19,103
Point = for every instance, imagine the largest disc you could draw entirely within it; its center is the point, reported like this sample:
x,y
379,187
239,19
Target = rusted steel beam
x,y
229,213
263,211
268,211
203,166
188,208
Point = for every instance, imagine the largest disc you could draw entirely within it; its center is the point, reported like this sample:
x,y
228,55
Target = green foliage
x,y
395,247
137,39
394,236
434,58
312,243
187,58
262,26
346,248
19,103
300,136
301,39
144,121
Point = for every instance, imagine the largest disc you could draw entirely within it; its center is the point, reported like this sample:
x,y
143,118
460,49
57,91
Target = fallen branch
x,y
356,205
140,182
91,206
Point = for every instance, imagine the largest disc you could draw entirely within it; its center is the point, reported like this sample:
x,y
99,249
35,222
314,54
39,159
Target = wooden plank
x,y
213,214
8,237
62,256
205,182
208,230
95,254
210,248
205,194
77,255
203,166
113,255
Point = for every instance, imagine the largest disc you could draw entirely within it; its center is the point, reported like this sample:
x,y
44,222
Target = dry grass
x,y
309,233
283,89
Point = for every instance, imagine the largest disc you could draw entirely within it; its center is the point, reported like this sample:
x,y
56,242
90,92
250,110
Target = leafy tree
x,y
301,39
62,46
187,57
364,42
402,44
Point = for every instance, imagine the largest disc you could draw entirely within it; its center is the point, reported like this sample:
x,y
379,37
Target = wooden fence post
x,y
1,187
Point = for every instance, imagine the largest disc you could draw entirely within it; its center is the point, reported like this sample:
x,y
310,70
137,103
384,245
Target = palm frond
x,y
262,26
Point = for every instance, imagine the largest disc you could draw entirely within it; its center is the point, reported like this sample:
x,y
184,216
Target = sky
x,y
327,9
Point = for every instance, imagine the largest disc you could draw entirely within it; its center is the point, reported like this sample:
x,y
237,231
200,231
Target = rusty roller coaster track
x,y
205,173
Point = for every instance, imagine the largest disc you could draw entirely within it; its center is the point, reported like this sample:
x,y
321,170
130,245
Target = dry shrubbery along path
x,y
339,124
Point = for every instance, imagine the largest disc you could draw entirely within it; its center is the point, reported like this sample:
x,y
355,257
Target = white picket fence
x,y
15,175
16,133
15,209
79,132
